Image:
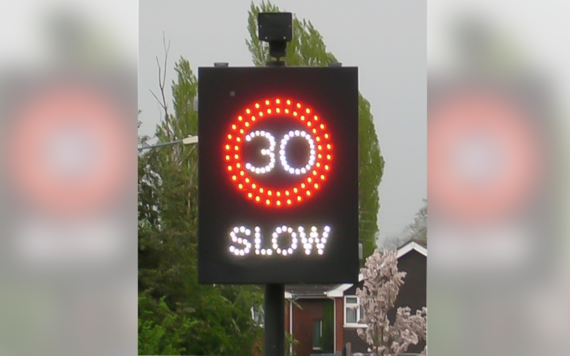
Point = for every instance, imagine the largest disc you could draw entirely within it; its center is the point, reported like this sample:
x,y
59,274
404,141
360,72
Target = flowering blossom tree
x,y
382,282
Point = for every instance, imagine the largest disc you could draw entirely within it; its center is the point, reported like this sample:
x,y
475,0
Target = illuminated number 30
x,y
282,152
313,170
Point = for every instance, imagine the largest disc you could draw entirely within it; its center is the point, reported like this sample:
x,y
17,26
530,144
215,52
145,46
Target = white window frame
x,y
258,316
358,316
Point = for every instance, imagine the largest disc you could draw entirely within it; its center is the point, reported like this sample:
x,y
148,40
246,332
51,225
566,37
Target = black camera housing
x,y
276,28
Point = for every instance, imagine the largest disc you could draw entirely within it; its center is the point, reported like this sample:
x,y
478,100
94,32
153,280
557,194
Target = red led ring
x,y
319,140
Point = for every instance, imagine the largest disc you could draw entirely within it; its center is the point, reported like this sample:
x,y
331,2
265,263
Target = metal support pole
x,y
275,293
190,140
160,145
274,320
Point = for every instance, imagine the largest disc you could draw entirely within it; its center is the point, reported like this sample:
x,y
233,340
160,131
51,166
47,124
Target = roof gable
x,y
410,246
402,251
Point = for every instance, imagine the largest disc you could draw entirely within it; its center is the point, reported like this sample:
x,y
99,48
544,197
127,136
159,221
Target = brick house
x,y
323,318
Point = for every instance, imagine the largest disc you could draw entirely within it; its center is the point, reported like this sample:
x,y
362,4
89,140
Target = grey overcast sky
x,y
385,39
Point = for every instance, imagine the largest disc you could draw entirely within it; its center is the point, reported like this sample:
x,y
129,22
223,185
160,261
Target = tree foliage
x,y
307,48
176,314
382,282
160,332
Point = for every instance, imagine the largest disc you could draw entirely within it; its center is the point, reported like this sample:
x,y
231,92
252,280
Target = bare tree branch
x,y
162,87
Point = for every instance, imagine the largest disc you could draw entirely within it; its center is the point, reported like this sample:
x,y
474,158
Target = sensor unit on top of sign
x,y
240,235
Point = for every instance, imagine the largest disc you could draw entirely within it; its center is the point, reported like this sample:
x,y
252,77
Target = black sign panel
x,y
278,175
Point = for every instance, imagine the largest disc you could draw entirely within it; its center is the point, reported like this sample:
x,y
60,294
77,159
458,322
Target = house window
x,y
353,311
317,334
